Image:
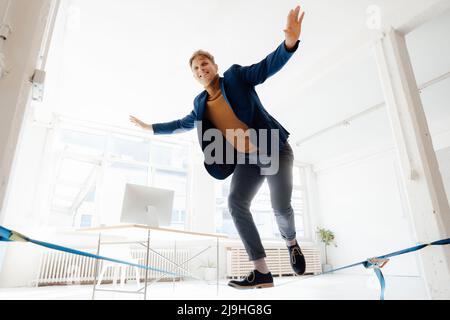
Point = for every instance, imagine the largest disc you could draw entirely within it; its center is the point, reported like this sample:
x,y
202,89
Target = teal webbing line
x,y
5,234
380,277
8,235
369,264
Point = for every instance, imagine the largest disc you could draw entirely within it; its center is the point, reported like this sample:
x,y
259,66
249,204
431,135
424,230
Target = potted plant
x,y
327,237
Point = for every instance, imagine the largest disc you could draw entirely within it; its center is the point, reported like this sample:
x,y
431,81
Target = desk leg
x,y
217,269
96,266
174,269
146,264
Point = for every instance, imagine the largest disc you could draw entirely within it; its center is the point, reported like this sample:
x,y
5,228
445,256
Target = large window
x,y
93,165
261,208
170,168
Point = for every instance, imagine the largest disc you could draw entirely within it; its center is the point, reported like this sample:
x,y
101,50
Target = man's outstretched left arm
x,y
259,72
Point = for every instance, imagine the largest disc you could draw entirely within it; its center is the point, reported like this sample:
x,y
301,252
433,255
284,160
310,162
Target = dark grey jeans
x,y
245,183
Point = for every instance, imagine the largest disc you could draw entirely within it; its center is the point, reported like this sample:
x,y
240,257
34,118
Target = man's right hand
x,y
140,124
294,27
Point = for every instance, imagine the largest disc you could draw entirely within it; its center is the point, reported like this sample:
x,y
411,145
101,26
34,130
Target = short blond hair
x,y
201,53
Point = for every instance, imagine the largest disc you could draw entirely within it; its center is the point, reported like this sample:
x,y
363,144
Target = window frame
x,y
107,157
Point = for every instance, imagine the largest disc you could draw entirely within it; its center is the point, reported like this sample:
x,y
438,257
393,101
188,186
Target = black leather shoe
x,y
254,279
298,262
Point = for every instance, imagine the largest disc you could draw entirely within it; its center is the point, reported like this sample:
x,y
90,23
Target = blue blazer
x,y
238,89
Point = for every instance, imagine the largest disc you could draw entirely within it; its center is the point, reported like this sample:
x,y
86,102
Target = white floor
x,y
325,287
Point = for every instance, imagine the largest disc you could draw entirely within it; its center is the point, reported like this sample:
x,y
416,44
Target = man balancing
x,y
240,138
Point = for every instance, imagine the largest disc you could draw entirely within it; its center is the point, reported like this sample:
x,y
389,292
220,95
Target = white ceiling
x,y
121,57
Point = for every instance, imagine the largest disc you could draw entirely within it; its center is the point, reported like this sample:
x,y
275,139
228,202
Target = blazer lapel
x,y
201,106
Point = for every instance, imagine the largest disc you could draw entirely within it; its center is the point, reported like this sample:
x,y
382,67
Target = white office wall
x,y
359,188
429,48
362,203
443,157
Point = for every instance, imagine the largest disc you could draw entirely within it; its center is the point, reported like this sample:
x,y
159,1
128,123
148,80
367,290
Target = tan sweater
x,y
222,117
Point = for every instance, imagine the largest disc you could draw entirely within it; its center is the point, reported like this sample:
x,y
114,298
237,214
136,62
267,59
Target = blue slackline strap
x,y
381,280
5,234
416,248
372,263
9,236
378,262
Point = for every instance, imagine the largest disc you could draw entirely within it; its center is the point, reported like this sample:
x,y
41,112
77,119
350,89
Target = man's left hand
x,y
294,27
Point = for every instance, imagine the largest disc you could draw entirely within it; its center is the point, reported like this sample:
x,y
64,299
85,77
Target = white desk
x,y
140,232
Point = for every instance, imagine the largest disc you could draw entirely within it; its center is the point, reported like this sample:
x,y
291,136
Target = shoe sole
x,y
258,286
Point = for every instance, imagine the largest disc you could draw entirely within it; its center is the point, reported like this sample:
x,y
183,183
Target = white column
x,y
27,21
430,212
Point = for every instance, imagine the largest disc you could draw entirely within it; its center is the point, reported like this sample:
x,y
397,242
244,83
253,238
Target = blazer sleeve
x,y
178,126
259,72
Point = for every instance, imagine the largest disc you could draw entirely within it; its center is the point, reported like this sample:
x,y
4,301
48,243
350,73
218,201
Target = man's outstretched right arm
x,y
182,125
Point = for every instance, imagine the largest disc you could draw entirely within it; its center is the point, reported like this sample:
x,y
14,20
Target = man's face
x,y
204,70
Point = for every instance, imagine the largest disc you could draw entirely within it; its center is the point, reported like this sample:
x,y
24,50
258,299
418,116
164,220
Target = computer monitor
x,y
147,205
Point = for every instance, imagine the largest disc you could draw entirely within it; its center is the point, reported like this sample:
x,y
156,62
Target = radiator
x,y
60,268
277,260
